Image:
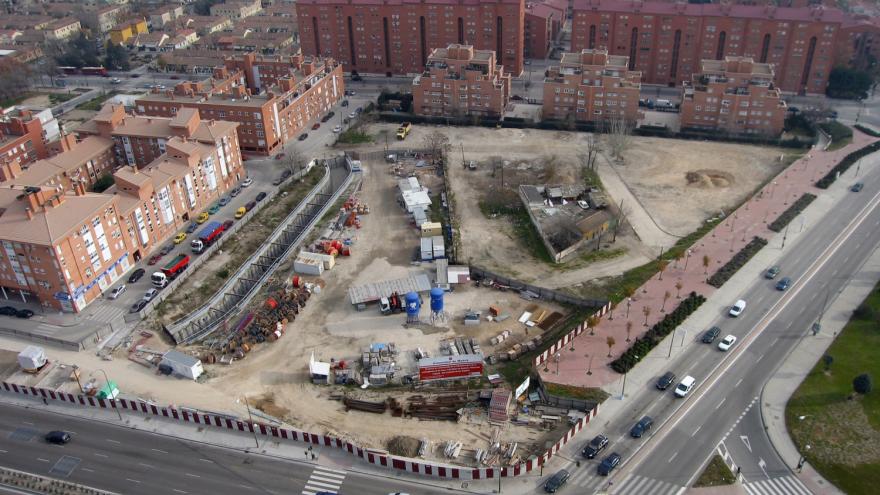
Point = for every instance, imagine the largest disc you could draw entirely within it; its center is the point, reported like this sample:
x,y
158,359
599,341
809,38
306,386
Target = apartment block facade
x,y
398,36
542,25
85,161
667,41
592,86
24,135
735,95
461,81
237,10
272,106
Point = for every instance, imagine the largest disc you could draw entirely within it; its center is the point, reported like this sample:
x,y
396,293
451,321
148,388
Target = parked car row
x,y
18,313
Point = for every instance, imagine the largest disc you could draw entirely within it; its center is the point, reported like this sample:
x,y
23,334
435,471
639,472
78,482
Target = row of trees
x,y
15,79
83,52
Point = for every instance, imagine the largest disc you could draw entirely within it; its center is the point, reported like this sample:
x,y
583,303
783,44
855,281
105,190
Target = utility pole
x,y
251,420
784,236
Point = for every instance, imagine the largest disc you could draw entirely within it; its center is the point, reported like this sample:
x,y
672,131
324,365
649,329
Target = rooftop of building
x,y
393,3
51,222
737,65
158,127
589,57
42,170
806,14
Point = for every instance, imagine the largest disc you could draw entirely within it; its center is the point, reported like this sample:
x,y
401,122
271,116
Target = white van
x,y
685,386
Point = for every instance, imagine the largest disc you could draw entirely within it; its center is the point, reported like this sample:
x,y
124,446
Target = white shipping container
x,y
32,358
439,250
308,266
427,249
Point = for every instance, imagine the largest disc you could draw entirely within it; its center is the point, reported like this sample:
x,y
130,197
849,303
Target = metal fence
x,y
237,292
543,293
380,155
45,339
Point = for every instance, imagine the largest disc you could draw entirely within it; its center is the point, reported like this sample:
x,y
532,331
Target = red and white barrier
x,y
409,465
561,343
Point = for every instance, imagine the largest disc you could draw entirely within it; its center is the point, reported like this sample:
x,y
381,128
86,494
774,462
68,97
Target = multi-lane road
x,y
134,462
723,413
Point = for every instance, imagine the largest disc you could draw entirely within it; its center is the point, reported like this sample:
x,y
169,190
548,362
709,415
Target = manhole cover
x,y
23,434
65,466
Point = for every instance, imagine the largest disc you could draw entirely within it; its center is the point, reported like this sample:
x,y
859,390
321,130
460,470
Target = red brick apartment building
x,y
22,139
668,41
397,36
734,95
272,98
459,81
543,23
592,86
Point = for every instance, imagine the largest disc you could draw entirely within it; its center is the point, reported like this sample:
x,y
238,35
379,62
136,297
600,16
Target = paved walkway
x,y
588,364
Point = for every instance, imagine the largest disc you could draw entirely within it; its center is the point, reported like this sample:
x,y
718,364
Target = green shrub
x,y
863,312
738,261
836,130
862,384
870,132
794,210
844,165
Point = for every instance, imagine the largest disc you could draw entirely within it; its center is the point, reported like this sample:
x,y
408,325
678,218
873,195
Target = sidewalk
x,y
244,442
591,352
798,364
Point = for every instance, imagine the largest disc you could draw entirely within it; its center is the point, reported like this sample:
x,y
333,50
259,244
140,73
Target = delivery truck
x,y
210,233
170,271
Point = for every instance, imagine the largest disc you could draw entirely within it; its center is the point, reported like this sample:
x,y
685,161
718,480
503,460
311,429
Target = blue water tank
x,y
413,305
437,300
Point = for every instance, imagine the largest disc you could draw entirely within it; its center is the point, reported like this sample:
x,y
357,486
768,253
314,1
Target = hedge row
x,y
642,345
870,132
738,261
794,210
836,130
847,162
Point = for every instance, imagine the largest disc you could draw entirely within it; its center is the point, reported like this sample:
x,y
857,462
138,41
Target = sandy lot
x,y
668,187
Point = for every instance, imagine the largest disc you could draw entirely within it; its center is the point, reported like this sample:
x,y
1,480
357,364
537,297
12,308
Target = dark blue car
x,y
783,284
608,464
641,427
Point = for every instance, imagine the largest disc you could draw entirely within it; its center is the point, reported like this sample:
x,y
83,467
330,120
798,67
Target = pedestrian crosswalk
x,y
785,485
324,480
631,484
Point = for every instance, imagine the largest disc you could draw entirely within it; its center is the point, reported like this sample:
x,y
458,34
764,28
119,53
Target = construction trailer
x,y
182,364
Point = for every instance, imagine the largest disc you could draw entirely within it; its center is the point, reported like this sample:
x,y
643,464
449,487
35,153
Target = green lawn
x,y
716,474
842,430
95,104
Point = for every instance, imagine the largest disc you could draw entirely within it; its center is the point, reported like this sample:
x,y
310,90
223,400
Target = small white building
x,y
183,364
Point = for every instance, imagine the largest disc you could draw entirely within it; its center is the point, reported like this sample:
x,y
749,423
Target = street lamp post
x,y
112,399
686,259
251,420
590,366
557,356
623,389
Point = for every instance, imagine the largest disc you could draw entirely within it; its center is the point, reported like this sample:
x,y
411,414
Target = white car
x,y
685,386
337,129
117,291
727,342
150,294
583,204
737,308
247,181
352,115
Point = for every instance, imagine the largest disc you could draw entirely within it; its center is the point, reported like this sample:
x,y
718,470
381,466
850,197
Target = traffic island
x,y
716,474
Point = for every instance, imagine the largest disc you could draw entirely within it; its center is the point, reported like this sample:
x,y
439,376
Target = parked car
x,y
58,437
8,311
261,196
345,103
711,334
24,313
250,205
352,115
136,275
170,247
303,136
192,227
337,129
858,186
685,386
737,308
595,446
358,110
137,306
214,209
224,201
154,259
203,217
277,181
227,224
556,481
666,380
178,239
235,191
247,182
641,427
286,173
783,284
150,294
117,291
316,126
772,272
608,464
240,212
727,342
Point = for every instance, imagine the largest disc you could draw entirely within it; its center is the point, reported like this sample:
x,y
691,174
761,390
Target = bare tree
x,y
294,160
588,154
619,137
609,341
437,143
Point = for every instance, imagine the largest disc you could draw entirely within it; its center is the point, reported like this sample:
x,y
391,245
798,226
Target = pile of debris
x,y
404,446
498,453
365,405
458,346
442,408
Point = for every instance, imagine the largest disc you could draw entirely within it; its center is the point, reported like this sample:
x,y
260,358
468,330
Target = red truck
x,y
210,233
170,271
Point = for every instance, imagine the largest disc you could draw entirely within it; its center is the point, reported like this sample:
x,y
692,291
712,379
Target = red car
x,y
316,126
154,259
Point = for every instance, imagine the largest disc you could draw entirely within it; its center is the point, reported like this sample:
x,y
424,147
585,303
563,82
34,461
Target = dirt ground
x,y
674,185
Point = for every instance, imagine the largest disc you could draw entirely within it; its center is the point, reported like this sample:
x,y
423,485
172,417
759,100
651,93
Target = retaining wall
x,y
561,343
414,466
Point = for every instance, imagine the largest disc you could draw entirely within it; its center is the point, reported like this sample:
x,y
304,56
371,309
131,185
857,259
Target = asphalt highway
x,y
134,462
722,412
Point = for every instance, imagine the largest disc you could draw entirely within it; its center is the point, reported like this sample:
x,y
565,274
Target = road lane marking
x,y
157,450
133,481
759,359
28,423
672,458
42,460
697,430
720,403
100,455
88,470
193,475
179,491
113,441
738,382
2,451
206,460
144,464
